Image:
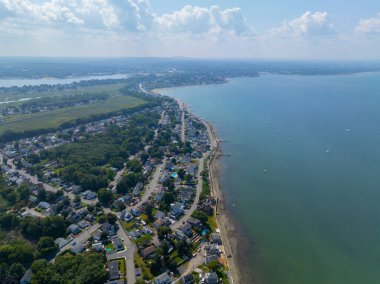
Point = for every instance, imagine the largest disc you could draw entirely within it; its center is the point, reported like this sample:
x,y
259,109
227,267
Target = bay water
x,y
302,175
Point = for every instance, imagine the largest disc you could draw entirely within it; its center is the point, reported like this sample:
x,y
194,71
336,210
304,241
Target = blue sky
x,y
268,29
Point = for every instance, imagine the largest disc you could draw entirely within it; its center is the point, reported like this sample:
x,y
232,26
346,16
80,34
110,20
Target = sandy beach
x,y
225,224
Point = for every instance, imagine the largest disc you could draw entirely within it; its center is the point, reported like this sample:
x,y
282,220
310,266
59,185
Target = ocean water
x,y
303,175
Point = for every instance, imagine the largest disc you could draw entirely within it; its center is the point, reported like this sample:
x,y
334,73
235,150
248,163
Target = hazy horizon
x,y
316,30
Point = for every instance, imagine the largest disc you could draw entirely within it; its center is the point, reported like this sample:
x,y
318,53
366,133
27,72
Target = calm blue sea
x,y
303,178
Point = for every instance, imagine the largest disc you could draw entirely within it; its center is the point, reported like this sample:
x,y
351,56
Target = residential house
x,y
216,238
117,244
33,199
83,224
177,210
212,250
135,212
161,222
74,229
194,222
109,229
186,229
164,278
210,258
44,205
113,269
159,215
90,218
60,242
211,278
76,189
78,248
147,230
187,279
89,195
192,170
138,188
98,247
180,235
97,235
126,216
148,252
135,234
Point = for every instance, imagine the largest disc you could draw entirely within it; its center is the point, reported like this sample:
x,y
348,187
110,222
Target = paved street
x,y
48,187
193,207
128,254
81,238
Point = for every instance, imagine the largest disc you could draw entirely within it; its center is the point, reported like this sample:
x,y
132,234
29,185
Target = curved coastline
x,y
232,244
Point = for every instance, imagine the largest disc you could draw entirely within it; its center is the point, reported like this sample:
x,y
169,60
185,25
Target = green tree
x,y
163,232
200,215
134,166
149,211
42,194
111,218
46,246
184,248
214,265
38,265
181,173
16,270
9,220
77,199
105,196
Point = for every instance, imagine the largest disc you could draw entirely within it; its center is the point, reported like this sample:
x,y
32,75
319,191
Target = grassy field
x,y
55,118
139,261
121,266
111,89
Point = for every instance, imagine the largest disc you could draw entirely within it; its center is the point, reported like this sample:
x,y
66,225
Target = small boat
x,y
348,130
265,171
327,151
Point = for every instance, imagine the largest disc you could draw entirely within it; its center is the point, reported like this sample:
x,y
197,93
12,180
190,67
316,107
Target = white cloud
x,y
307,26
198,20
127,15
92,14
369,26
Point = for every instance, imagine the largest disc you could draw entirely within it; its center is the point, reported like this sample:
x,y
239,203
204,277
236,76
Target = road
x,y
151,186
192,264
183,127
81,238
48,187
128,253
193,207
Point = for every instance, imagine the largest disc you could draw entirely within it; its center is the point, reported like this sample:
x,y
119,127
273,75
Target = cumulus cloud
x,y
197,20
129,15
369,26
92,14
308,25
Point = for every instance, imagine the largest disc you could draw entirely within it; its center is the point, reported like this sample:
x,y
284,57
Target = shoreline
x,y
224,221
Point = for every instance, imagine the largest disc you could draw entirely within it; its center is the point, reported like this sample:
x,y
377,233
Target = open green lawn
x,y
121,266
57,117
212,222
175,256
111,89
128,226
139,261
110,247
